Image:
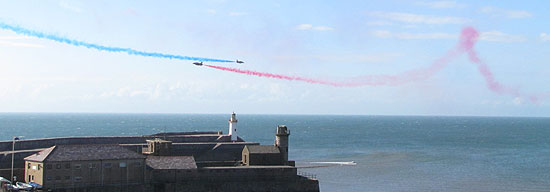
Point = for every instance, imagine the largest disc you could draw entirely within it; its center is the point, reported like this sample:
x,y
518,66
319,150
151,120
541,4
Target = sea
x,y
353,153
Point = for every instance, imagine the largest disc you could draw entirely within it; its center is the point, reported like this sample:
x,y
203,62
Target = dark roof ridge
x,y
85,152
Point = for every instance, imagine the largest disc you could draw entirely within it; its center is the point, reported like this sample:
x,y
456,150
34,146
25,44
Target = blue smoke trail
x,y
28,32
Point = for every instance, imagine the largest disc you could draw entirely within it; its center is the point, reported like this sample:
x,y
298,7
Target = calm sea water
x,y
393,153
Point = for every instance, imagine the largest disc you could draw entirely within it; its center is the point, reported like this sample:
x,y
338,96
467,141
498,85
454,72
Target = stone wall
x,y
297,185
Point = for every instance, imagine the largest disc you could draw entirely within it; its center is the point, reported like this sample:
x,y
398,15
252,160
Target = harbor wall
x,y
297,185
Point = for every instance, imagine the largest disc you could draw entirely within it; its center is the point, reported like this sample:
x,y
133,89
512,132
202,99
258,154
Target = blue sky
x,y
327,40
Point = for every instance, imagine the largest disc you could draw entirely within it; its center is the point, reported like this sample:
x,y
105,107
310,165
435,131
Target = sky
x,y
326,40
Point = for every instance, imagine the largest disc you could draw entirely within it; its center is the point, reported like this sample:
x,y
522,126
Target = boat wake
x,y
337,162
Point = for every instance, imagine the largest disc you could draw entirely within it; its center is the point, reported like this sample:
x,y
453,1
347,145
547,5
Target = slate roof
x,y
262,149
40,156
84,153
171,162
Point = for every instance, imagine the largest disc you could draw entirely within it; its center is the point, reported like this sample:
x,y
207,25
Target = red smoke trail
x,y
276,76
484,70
468,39
492,84
368,80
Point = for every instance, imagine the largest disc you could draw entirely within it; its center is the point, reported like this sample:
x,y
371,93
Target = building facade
x,y
73,167
261,155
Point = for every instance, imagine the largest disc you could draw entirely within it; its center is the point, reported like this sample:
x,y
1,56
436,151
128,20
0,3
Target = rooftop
x,y
262,149
83,153
171,162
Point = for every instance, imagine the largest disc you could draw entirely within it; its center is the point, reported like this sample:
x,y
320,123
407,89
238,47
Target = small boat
x,y
4,180
35,185
23,186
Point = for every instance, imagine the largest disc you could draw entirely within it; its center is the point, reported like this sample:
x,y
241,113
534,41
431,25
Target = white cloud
x,y
304,26
442,4
311,27
13,37
404,35
360,58
211,11
69,7
498,12
497,36
379,23
341,58
12,41
16,44
418,19
42,87
517,101
544,36
492,36
237,13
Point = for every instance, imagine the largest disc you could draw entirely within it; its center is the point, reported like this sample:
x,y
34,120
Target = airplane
x,y
198,63
239,61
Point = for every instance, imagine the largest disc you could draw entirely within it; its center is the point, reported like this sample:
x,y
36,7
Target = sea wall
x,y
233,179
274,185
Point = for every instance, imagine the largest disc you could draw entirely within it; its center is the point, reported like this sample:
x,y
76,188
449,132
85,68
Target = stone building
x,y
170,168
262,155
85,166
276,154
157,147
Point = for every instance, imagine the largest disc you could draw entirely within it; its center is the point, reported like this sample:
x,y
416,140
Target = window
x,y
39,166
32,177
49,178
67,177
91,165
67,166
28,165
77,166
122,164
57,178
48,166
77,179
58,166
107,165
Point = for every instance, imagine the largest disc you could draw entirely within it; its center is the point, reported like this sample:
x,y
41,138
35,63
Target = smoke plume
x,y
467,41
31,33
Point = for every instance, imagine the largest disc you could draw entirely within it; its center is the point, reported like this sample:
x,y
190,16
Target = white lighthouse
x,y
233,127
